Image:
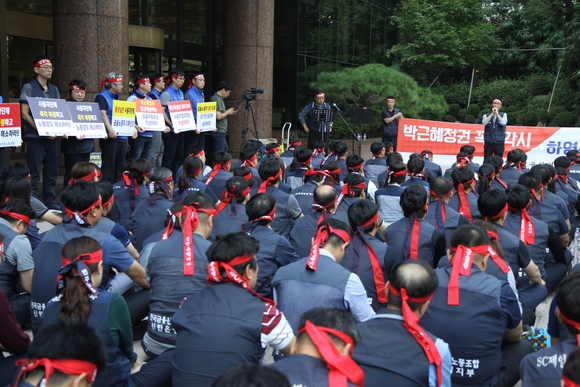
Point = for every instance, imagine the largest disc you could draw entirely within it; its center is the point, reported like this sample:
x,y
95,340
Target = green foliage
x,y
449,118
469,119
440,34
473,109
543,115
565,119
530,118
454,109
360,87
521,118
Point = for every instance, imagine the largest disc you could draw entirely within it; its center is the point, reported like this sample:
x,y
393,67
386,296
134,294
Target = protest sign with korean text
x,y
87,119
181,116
444,139
206,116
123,122
51,116
10,125
150,114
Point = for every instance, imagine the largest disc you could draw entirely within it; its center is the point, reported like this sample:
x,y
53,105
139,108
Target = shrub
x,y
543,115
461,115
565,119
449,118
469,119
521,118
530,118
454,109
473,109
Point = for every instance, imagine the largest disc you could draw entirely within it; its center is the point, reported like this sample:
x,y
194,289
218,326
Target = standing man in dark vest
x,y
477,315
41,152
158,84
391,117
319,280
226,322
317,131
393,345
323,351
494,135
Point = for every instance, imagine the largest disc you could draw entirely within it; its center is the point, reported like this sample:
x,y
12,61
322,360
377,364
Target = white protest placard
x,y
181,116
51,116
123,122
150,114
87,120
206,116
10,125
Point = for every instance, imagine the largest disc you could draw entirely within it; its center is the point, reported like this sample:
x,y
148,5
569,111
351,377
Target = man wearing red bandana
x,y
494,135
322,355
544,368
393,346
41,152
477,315
319,280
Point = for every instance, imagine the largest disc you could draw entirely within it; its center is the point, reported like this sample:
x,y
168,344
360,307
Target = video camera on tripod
x,y
250,95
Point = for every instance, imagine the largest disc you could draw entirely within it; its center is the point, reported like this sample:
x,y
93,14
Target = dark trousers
x,y
219,142
156,372
495,149
21,308
112,156
513,353
192,139
173,153
70,159
42,152
140,147
531,296
392,139
555,272
314,136
2,163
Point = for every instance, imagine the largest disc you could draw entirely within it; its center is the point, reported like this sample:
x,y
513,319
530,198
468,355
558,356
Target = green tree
x,y
441,34
369,85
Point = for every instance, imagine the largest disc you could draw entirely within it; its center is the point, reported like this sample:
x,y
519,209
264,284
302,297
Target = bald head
x,y
324,195
417,277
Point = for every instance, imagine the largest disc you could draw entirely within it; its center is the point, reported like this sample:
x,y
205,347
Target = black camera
x,y
250,95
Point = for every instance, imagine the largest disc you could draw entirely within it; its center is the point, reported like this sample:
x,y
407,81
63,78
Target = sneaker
x,y
55,208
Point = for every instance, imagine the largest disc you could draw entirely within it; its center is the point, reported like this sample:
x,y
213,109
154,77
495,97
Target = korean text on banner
x,y
51,116
446,138
206,116
181,116
123,118
150,114
87,120
9,125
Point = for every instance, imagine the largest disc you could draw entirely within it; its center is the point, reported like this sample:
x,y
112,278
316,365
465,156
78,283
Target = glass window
x,y
21,53
33,7
194,21
163,14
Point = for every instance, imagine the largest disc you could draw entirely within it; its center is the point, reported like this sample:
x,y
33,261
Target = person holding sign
x,y
224,90
41,152
315,129
494,135
114,148
75,149
172,141
141,146
195,95
158,83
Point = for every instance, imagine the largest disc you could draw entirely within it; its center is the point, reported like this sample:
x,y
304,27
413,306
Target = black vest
x,y
388,351
300,289
118,370
38,92
148,219
304,370
169,286
473,329
494,133
217,327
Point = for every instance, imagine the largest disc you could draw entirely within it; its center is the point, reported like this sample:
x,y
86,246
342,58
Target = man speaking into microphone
x,y
317,131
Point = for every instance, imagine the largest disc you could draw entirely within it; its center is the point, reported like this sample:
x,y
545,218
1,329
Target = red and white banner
x,y
444,139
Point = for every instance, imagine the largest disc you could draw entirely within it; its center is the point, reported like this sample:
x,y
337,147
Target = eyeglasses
x,y
180,78
49,67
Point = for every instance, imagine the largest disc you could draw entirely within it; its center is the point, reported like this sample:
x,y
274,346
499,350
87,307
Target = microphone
x,y
336,107
255,90
238,101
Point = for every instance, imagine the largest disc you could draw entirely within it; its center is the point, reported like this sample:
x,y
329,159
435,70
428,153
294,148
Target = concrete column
x,y
91,39
248,61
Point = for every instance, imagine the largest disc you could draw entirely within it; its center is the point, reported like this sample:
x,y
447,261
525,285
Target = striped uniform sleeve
x,y
276,331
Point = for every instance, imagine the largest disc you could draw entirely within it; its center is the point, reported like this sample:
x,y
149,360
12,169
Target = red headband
x,y
464,208
105,204
42,61
320,239
378,277
341,368
569,382
295,143
231,275
95,204
91,176
355,167
160,79
273,150
112,80
324,209
462,266
17,216
318,95
76,87
463,161
527,232
390,99
67,366
142,80
216,169
333,171
269,181
248,161
188,226
412,325
379,152
497,100
227,199
196,154
573,323
498,215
